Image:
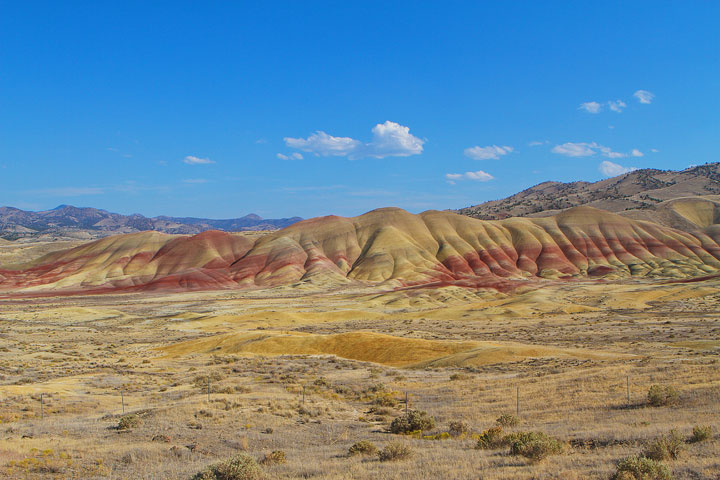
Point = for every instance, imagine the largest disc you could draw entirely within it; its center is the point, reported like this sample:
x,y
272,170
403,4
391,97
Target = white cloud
x,y
193,160
195,180
392,139
644,96
487,153
591,107
536,143
389,139
478,176
616,105
320,143
292,156
610,169
636,153
571,149
584,149
654,150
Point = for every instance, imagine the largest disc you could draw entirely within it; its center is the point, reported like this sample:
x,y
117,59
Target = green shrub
x,y
701,433
641,468
413,421
239,467
507,420
129,421
363,447
533,445
394,451
490,438
665,447
458,429
659,396
275,457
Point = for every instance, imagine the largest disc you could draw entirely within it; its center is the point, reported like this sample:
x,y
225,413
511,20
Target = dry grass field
x,y
70,365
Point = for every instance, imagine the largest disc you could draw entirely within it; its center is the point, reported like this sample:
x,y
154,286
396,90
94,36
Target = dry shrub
x,y
363,447
384,400
458,429
239,467
641,468
506,420
275,457
394,451
534,445
659,396
701,433
413,421
129,421
490,439
666,447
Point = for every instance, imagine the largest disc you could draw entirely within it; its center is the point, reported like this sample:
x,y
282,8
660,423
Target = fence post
x,y
406,404
303,393
42,409
517,401
208,389
122,400
627,384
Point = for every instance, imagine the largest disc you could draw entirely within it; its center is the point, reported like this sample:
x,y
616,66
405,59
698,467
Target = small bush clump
x,y
458,429
384,400
363,447
490,439
239,467
129,421
701,433
659,396
533,445
413,421
666,447
641,468
276,457
506,420
394,451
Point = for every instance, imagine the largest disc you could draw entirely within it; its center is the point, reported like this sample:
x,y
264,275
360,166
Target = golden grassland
x,y
567,349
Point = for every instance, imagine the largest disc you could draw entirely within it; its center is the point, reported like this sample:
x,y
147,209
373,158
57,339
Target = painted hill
x,y
640,190
388,247
67,220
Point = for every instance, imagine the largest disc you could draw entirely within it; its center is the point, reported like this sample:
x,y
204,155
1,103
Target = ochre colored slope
x,y
374,347
391,247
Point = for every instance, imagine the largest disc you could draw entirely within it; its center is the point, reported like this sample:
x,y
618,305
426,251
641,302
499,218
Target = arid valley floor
x,y
563,353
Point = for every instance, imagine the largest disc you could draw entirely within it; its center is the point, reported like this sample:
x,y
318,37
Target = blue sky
x,y
219,109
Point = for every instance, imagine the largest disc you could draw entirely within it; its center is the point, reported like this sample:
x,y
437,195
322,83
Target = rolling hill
x,y
637,191
389,248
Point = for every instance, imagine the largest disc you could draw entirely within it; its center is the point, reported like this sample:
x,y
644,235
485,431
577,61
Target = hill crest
x,y
639,190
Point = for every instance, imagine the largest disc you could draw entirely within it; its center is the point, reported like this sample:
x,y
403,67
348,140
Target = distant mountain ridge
x,y
640,190
93,222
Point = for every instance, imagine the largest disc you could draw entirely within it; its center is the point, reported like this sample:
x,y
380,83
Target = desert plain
x,y
310,371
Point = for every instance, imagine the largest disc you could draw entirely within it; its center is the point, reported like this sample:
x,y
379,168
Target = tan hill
x,y
377,348
388,247
638,190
